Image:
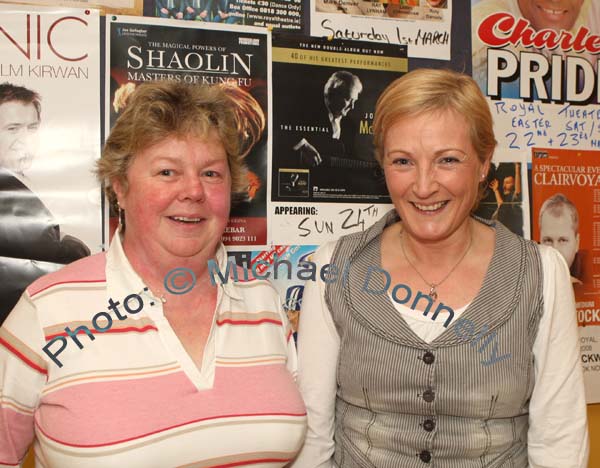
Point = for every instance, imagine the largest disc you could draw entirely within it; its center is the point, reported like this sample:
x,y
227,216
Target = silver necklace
x,y
432,286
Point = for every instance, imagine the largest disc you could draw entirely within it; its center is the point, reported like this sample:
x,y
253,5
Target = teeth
x,y
552,12
187,220
437,206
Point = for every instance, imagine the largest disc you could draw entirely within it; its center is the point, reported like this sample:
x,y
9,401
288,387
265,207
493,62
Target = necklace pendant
x,y
433,293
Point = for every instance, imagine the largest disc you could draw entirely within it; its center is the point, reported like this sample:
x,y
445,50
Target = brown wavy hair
x,y
164,109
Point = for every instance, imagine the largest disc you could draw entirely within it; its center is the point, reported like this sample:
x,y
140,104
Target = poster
x,y
285,267
538,67
566,216
279,15
49,131
505,195
128,7
422,25
148,49
323,158
540,72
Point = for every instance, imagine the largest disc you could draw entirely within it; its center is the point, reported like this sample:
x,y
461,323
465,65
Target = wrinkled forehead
x,y
557,221
18,113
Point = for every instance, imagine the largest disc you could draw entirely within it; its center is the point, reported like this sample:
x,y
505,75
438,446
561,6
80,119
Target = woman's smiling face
x,y
177,197
432,173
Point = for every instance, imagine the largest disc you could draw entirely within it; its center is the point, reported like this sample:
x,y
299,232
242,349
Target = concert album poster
x,y
566,215
278,15
281,266
505,191
126,7
49,133
539,70
148,49
422,25
323,158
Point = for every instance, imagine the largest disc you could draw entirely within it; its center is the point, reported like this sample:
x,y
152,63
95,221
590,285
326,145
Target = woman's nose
x,y
192,188
425,183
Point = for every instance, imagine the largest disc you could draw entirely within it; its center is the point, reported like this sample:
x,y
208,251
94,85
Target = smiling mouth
x,y
550,11
431,207
186,220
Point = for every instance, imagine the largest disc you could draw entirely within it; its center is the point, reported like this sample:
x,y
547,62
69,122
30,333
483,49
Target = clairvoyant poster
x,y
566,216
49,133
149,49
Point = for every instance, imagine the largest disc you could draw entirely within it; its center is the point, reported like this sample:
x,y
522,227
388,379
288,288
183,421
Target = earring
x,y
121,215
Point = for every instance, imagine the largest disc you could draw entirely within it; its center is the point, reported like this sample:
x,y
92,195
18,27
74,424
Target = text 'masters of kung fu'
x,y
149,49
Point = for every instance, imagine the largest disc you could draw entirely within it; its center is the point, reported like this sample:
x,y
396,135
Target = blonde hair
x,y
164,109
427,90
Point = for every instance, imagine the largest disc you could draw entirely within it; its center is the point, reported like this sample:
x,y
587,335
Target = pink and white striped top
x,y
132,397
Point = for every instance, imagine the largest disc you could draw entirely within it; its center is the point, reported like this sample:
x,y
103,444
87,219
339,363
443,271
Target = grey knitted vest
x,y
457,402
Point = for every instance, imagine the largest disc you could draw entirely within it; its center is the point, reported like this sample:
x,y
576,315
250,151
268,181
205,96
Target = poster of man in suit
x,y
322,127
46,138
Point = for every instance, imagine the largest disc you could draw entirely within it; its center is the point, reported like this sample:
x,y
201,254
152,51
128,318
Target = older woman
x,y
102,364
491,378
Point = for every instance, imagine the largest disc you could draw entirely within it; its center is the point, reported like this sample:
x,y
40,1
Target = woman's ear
x,y
486,167
119,189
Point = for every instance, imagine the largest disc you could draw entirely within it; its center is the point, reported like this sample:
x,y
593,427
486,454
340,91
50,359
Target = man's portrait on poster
x,y
340,93
559,228
31,241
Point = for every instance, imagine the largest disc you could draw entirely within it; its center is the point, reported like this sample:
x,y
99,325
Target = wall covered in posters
x,y
308,187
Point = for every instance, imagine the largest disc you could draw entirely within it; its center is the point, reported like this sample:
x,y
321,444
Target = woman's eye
x,y
448,160
166,172
211,173
401,161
